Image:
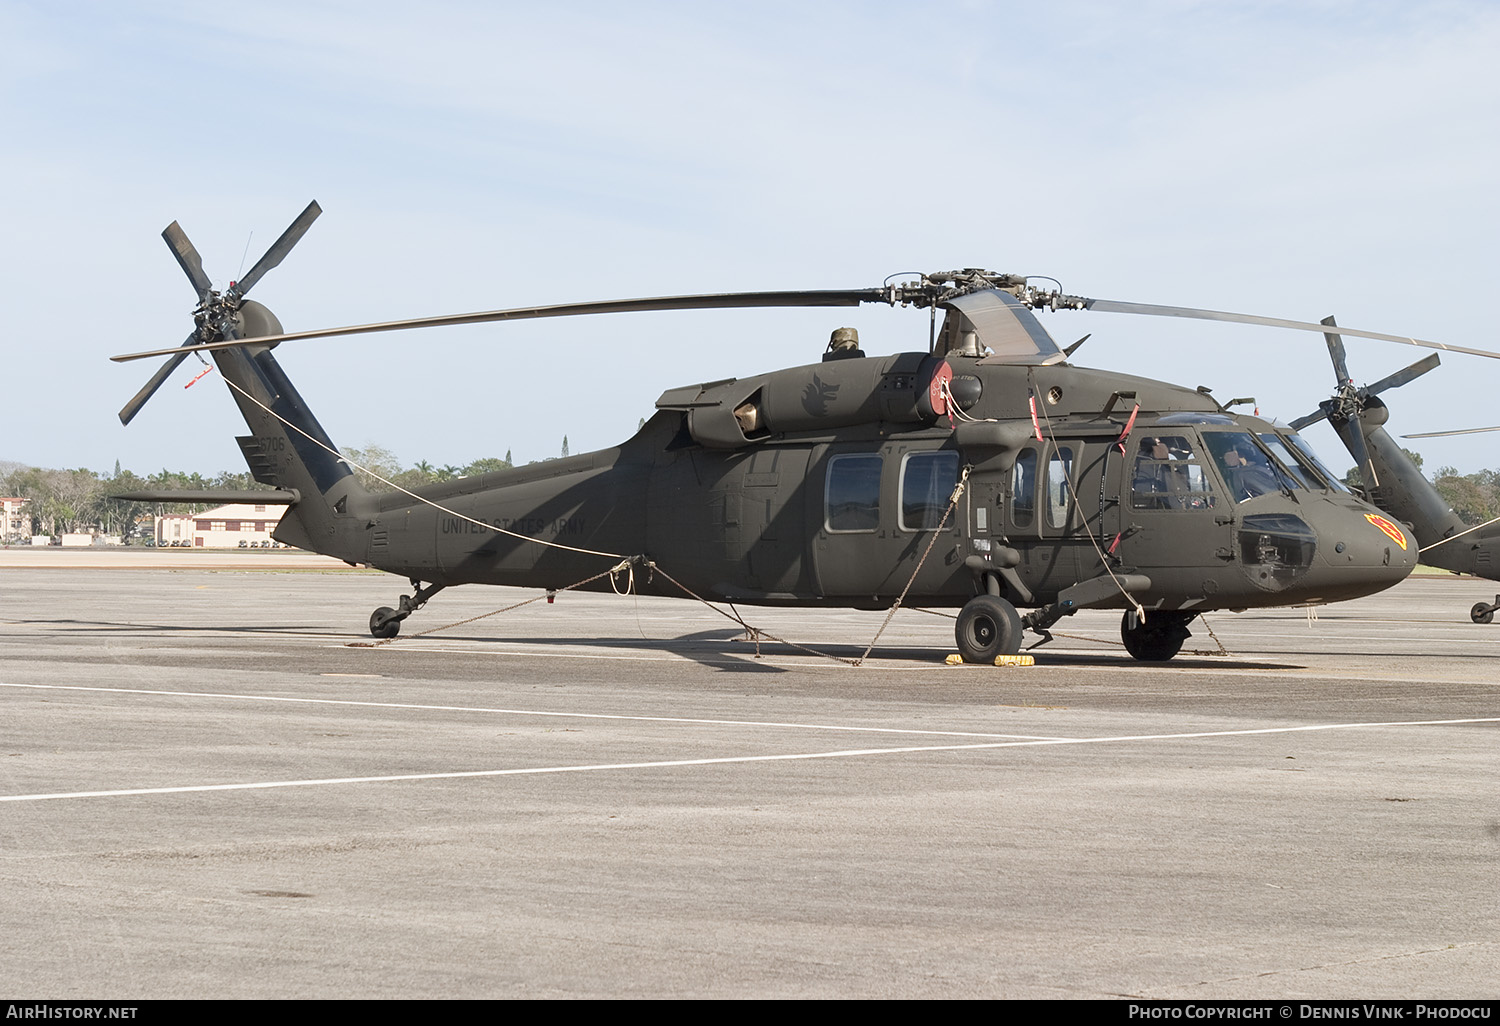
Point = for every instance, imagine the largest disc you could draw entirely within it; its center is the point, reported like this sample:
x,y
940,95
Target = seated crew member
x,y
1247,476
1151,487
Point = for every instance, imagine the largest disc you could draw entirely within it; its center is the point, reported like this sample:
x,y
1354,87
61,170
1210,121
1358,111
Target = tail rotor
x,y
1351,405
215,313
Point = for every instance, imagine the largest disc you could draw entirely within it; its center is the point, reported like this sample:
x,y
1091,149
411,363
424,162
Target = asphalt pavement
x,y
213,786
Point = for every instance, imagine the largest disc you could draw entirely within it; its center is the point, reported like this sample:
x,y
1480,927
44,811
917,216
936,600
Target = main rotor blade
x,y
1113,306
280,248
130,409
187,257
1403,376
1441,434
1336,353
720,301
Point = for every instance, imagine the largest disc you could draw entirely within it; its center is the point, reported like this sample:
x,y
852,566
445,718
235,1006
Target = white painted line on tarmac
x,y
674,763
536,712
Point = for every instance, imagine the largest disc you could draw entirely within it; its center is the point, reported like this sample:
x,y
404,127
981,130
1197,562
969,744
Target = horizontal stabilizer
x,y
220,497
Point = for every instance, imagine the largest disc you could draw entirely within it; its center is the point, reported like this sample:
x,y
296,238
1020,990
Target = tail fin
x,y
287,448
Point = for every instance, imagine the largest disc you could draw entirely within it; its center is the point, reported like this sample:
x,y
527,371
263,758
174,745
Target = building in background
x,y
15,522
236,526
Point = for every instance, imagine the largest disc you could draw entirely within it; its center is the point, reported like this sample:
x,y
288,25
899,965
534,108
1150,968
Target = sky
x,y
1287,159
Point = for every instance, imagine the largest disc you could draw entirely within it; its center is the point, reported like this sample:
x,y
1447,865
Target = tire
x,y
988,626
1159,638
1482,612
380,626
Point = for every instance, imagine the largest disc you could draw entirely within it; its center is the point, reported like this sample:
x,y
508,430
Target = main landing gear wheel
x,y
1159,638
384,623
988,626
1483,612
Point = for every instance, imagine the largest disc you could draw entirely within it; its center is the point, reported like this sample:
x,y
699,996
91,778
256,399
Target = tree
x,y
485,465
371,464
122,517
61,501
1471,496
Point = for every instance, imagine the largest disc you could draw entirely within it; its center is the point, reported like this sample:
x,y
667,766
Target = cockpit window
x,y
1300,444
1293,461
1169,474
1247,470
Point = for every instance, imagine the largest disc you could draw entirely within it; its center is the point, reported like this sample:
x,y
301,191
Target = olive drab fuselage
x,y
840,490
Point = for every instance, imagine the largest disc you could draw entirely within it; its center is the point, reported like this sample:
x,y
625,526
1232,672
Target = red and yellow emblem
x,y
1392,532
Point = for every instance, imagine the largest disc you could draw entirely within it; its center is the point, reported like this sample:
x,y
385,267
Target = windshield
x,y
1294,463
1247,470
1300,444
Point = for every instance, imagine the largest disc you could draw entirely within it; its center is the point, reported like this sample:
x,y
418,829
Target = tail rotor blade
x,y
1403,376
187,257
1336,352
130,409
1311,418
1353,437
280,248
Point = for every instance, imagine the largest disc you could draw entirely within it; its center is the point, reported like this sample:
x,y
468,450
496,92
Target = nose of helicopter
x,y
1328,550
1361,552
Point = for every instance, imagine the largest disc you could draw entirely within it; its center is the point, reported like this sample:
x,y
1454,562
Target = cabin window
x,y
1023,489
853,493
1059,486
927,482
1169,474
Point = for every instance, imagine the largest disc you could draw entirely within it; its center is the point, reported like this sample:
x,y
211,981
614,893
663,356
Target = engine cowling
x,y
899,389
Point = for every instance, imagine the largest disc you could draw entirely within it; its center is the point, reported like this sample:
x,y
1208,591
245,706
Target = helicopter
x,y
984,473
1393,482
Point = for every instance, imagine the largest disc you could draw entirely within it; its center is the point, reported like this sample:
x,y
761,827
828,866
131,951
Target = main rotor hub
x,y
938,287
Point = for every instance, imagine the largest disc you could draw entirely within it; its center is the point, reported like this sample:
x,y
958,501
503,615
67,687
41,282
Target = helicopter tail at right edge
x,y
1391,480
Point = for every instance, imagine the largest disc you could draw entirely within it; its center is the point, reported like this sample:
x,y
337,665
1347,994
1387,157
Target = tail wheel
x,y
988,626
1159,638
1482,612
384,623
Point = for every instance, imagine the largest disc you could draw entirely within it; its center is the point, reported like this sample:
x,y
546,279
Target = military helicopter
x,y
1394,483
984,473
